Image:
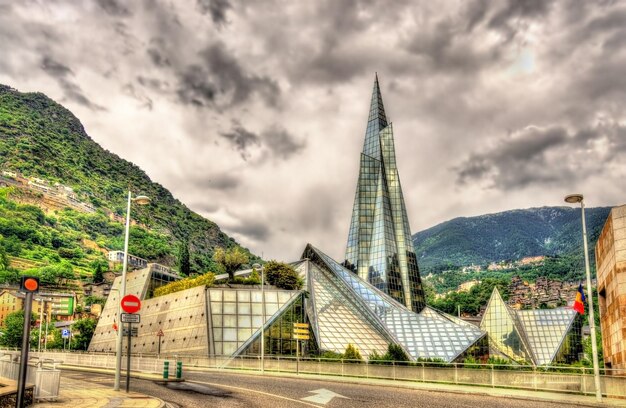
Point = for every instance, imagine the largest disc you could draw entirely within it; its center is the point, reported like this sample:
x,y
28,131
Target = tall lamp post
x,y
574,199
141,200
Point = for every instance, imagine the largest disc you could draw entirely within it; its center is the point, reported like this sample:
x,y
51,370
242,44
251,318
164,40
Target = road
x,y
220,389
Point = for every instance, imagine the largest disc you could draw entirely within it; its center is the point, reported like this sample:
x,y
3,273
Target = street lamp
x,y
574,199
141,200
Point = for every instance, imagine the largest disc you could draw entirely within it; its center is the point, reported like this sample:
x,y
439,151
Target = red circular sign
x,y
131,304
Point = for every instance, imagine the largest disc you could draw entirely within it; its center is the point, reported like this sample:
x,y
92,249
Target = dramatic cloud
x,y
241,139
216,8
253,113
548,157
72,91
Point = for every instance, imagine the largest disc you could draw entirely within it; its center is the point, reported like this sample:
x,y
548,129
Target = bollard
x,y
179,370
166,369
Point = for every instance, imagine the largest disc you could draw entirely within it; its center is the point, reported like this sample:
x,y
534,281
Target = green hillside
x,y
507,236
39,138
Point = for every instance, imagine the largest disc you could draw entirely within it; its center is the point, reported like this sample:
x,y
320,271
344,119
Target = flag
x,y
579,302
114,325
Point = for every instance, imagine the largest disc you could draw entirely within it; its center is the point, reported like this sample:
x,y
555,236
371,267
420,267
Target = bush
x,y
396,353
207,280
282,276
352,354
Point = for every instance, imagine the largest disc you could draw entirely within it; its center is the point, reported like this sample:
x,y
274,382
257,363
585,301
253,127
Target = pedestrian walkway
x,y
77,393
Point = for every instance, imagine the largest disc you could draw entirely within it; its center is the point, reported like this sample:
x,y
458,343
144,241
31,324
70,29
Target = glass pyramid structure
x,y
345,309
538,337
380,249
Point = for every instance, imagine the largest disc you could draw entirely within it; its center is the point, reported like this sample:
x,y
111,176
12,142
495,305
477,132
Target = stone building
x,y
611,271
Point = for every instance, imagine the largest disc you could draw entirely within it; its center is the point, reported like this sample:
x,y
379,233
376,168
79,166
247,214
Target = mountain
x,y
40,139
509,235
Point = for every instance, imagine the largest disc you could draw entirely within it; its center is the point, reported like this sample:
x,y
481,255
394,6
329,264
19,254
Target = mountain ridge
x,y
507,235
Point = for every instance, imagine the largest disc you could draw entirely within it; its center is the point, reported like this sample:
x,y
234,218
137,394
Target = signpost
x,y
130,304
300,332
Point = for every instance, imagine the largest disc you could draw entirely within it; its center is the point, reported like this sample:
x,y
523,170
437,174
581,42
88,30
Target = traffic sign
x,y
131,318
301,325
131,304
65,333
301,336
160,333
301,331
133,331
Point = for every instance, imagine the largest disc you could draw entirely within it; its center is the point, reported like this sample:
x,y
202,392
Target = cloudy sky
x,y
253,113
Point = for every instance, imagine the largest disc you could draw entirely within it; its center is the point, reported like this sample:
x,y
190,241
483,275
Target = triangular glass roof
x,y
499,321
429,334
545,330
531,335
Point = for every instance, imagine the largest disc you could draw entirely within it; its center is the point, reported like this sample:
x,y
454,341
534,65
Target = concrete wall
x,y
611,271
181,316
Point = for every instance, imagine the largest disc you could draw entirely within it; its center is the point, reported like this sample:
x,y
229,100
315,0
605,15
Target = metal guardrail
x,y
42,373
565,379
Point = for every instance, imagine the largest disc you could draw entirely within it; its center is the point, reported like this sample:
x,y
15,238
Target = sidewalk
x,y
76,393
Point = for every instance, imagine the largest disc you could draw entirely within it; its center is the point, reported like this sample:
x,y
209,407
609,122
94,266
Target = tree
x,y
352,353
230,259
396,353
99,266
282,275
184,264
14,329
82,331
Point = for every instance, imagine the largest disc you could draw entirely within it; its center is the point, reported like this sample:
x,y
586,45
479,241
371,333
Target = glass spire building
x,y
380,249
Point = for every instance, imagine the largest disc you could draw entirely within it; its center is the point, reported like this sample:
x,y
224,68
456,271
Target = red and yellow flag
x,y
579,302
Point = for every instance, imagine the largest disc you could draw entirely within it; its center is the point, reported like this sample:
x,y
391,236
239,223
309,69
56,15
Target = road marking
x,y
322,396
255,391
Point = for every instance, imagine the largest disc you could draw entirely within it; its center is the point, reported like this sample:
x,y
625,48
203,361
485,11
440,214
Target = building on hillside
x,y
133,261
537,337
9,303
611,273
101,289
59,306
380,248
340,307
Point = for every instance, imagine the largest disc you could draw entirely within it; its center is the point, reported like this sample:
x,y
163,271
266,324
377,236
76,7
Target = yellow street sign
x,y
301,325
301,331
300,336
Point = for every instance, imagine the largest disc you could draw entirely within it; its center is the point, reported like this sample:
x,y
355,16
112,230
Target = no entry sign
x,y
131,304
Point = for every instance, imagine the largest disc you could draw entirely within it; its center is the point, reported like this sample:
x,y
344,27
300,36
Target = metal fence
x,y
42,373
555,379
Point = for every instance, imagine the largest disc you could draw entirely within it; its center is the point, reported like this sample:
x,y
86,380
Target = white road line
x,y
254,391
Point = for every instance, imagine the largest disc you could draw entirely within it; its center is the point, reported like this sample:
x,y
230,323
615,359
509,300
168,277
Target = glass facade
x,y
347,309
539,337
279,339
380,249
237,313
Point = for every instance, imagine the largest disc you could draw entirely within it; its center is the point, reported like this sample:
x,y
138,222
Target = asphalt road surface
x,y
219,389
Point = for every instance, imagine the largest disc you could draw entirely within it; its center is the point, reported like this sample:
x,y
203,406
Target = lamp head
x,y
141,200
574,198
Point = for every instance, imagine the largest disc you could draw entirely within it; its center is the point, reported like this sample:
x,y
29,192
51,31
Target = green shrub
x,y
352,354
282,275
207,280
